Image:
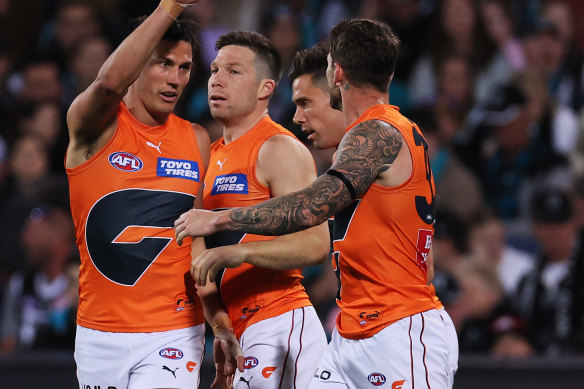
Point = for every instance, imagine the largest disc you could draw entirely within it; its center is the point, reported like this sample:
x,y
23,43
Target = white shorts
x,y
168,359
410,353
451,343
282,351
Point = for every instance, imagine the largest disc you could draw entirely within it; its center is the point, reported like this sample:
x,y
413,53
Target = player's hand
x,y
228,357
195,222
209,262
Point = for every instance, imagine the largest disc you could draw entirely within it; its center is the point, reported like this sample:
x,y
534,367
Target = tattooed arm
x,y
367,150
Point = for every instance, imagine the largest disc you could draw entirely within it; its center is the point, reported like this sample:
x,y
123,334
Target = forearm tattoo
x,y
367,150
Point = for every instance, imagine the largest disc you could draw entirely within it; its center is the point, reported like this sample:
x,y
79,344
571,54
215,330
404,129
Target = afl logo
x,y
250,362
125,161
376,379
171,353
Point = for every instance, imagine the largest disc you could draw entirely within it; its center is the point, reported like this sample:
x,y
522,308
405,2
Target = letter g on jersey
x,y
127,230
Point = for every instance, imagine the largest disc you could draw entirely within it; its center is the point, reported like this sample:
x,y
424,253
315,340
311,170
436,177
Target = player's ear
x,y
266,88
339,75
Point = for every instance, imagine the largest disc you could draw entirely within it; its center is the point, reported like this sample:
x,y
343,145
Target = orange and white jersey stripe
x,y
124,200
382,240
249,293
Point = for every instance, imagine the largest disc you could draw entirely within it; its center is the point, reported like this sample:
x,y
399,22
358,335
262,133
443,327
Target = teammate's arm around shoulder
x,y
368,151
286,166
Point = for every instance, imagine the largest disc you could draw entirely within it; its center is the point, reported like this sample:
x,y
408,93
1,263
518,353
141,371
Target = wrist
x,y
222,221
173,8
221,323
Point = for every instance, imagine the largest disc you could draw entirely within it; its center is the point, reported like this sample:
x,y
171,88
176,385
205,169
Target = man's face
x,y
234,84
323,124
41,82
336,100
165,76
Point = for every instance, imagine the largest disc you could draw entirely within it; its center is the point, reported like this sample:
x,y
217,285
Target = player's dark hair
x,y
179,30
310,61
257,43
367,50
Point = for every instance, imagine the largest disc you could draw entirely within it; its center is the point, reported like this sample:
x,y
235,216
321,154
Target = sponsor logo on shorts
x,y
241,379
397,384
367,316
170,370
230,183
86,386
125,161
376,379
323,375
267,372
171,353
247,311
250,362
191,365
177,168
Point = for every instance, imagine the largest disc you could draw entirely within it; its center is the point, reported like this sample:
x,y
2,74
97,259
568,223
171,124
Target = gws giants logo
x,y
125,161
171,353
191,365
267,372
376,379
250,362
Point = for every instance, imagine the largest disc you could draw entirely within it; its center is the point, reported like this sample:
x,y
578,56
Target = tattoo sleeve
x,y
366,150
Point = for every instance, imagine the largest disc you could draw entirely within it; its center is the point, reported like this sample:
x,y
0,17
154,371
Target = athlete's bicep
x,y
368,149
285,165
92,113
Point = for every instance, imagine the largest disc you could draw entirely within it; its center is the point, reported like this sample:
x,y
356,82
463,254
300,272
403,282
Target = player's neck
x,y
358,100
236,127
143,115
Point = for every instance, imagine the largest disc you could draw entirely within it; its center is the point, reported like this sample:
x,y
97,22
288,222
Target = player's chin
x,y
218,113
166,108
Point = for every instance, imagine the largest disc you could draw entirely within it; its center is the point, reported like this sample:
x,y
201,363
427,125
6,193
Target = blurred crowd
x,y
497,87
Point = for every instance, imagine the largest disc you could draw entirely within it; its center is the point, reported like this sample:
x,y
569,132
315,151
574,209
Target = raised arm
x,y
91,117
367,151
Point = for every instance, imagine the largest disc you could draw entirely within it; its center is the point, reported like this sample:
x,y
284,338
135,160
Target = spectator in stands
x,y
518,153
86,57
41,81
488,323
457,189
488,246
40,301
566,75
458,29
46,120
509,57
74,21
550,297
28,168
